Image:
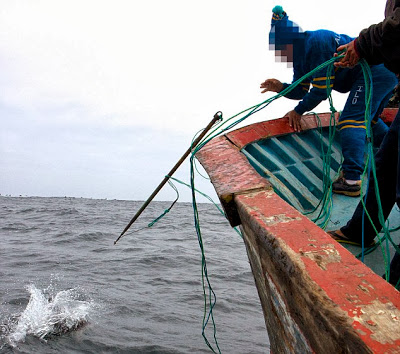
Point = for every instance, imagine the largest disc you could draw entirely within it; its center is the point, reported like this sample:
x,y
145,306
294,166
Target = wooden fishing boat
x,y
317,297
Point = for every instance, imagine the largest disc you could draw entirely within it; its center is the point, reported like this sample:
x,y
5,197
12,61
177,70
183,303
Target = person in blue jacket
x,y
306,50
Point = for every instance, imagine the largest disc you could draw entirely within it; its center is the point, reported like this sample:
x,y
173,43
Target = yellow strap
x,y
353,126
323,78
351,121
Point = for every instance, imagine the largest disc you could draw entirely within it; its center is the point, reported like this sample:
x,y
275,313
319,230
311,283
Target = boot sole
x,y
349,194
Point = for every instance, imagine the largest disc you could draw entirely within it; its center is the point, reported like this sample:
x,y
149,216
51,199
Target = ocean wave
x,y
91,236
26,210
16,227
69,211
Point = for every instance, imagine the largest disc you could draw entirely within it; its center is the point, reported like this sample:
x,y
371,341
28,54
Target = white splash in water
x,y
46,315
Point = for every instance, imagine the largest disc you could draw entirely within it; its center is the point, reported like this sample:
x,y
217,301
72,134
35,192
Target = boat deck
x,y
295,165
343,208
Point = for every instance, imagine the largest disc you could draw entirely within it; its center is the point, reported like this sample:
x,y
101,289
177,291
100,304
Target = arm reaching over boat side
x,y
271,85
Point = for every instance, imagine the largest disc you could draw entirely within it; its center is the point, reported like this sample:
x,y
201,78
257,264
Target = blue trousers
x,y
387,162
352,125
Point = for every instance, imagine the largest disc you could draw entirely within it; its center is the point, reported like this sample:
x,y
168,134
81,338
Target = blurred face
x,y
285,55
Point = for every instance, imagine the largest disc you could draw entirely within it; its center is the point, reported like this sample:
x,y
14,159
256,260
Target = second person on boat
x,y
307,50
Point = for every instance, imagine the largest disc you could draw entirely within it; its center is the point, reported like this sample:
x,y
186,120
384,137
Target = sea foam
x,y
46,315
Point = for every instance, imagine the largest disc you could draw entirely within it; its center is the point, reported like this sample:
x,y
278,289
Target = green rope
x,y
208,292
166,211
325,203
386,238
210,199
223,126
157,219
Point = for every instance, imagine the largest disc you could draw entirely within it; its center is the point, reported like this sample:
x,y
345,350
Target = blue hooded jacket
x,y
310,49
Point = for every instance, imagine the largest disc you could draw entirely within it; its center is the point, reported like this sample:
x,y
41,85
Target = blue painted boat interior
x,y
295,163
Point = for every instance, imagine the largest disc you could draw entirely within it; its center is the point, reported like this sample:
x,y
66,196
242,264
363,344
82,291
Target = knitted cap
x,y
283,31
278,14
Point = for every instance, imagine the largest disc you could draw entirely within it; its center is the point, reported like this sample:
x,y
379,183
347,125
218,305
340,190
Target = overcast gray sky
x,y
101,98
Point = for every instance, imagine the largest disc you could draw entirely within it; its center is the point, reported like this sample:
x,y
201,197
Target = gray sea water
x,y
66,288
